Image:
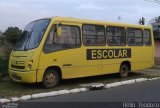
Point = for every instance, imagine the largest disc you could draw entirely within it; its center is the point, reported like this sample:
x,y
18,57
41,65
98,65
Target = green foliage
x,y
4,66
12,34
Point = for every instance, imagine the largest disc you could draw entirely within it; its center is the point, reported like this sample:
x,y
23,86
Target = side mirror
x,y
59,31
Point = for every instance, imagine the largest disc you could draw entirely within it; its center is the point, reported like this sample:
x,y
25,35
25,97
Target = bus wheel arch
x,y
124,69
52,77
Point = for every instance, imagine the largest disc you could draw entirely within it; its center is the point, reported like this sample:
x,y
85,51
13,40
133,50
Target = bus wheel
x,y
51,78
124,71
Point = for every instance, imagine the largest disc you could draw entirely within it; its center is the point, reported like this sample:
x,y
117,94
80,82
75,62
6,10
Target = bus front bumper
x,y
24,76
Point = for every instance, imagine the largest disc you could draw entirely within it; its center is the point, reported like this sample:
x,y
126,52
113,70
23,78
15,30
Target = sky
x,y
20,12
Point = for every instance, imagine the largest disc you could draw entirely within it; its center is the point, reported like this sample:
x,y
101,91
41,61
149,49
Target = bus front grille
x,y
17,62
18,67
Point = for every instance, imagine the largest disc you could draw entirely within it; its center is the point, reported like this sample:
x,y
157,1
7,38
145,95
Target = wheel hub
x,y
50,79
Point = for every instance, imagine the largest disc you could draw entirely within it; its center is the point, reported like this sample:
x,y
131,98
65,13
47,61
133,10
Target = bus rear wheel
x,y
124,71
51,78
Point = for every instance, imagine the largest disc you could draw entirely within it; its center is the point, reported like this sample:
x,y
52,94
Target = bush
x,y
4,65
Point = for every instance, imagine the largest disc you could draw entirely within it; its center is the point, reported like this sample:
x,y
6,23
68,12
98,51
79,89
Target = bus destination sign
x,y
96,54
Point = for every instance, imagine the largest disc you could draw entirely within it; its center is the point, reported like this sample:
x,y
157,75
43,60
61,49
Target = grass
x,y
11,89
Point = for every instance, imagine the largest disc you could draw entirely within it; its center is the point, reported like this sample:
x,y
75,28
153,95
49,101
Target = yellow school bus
x,y
58,48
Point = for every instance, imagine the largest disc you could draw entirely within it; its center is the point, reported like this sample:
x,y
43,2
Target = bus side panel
x,y
87,70
142,57
74,63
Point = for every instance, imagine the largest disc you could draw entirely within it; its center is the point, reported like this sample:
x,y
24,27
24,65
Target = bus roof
x,y
96,22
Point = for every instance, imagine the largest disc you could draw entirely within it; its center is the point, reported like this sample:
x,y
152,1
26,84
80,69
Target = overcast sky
x,y
20,12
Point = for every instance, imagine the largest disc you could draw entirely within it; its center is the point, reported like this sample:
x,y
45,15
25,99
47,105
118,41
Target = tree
x,y
1,35
12,34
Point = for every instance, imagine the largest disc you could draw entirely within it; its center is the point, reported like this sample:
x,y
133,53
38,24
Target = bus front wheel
x,y
51,78
124,71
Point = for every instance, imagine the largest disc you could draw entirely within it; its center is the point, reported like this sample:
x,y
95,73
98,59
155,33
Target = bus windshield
x,y
32,35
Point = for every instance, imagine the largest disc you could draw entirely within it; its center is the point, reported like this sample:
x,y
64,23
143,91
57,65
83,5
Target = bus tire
x,y
124,71
51,78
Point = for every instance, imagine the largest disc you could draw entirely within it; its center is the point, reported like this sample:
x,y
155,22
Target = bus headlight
x,y
29,67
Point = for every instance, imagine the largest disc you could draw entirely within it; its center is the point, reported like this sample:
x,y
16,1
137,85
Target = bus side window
x,y
50,37
93,35
135,37
69,39
116,36
70,36
147,37
49,44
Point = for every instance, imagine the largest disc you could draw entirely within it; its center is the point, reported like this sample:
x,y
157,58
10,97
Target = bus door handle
x,y
67,65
